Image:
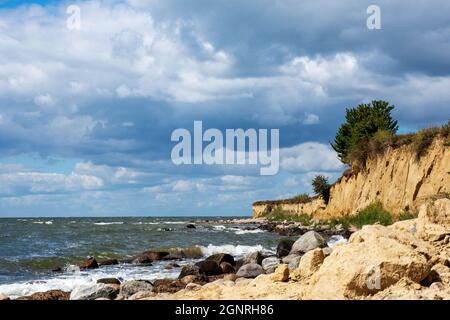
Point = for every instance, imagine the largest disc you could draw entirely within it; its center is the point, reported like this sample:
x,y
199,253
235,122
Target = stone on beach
x,y
47,295
270,264
131,287
108,262
209,267
292,260
309,263
250,270
108,281
281,274
189,270
90,263
222,257
309,241
227,268
284,247
255,257
93,292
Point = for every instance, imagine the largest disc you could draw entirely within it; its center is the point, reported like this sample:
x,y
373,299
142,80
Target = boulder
x,y
175,256
375,258
270,264
90,263
155,255
108,281
433,222
168,286
222,257
171,266
57,269
309,241
209,267
227,267
142,259
93,292
230,277
250,270
193,287
308,265
292,261
284,247
255,257
189,270
108,262
131,287
190,226
142,295
281,274
48,295
194,278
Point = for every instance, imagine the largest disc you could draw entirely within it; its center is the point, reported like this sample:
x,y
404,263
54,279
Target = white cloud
x,y
44,100
310,118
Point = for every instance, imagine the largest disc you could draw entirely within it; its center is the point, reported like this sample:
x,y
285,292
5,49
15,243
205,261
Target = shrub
x,y
322,187
374,213
301,198
423,139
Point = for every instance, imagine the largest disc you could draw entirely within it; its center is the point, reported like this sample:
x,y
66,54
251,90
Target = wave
x,y
108,223
335,240
234,250
43,222
249,231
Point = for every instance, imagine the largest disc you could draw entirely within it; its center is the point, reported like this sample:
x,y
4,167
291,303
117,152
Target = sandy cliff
x,y
397,178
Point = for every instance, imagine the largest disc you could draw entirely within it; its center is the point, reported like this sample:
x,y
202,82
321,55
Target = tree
x,y
322,187
361,124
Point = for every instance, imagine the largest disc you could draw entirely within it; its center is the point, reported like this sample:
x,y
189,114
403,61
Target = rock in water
x,y
155,255
108,281
48,295
284,247
90,263
222,257
309,241
108,262
270,264
92,292
255,257
209,267
133,286
250,270
189,270
190,226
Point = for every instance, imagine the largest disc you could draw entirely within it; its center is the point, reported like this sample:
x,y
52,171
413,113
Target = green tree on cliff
x,y
321,187
361,124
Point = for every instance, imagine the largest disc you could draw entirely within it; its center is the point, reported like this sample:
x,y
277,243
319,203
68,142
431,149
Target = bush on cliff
x,y
372,214
322,187
361,124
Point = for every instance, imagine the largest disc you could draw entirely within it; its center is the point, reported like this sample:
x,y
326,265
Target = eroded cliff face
x,y
400,180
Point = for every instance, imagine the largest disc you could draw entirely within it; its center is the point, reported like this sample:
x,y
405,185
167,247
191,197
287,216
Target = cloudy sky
x,y
86,115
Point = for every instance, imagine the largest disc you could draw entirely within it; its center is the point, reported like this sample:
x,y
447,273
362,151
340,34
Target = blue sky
x,y
86,115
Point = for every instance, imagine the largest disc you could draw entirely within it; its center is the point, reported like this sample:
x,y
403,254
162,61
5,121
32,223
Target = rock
x,y
131,287
281,273
292,261
433,222
443,273
194,278
142,259
309,241
230,277
126,261
108,262
3,297
193,287
209,267
189,270
190,226
436,286
175,256
239,264
142,295
48,295
270,264
222,257
168,286
284,247
375,258
227,267
90,263
92,292
108,281
56,269
172,265
308,265
255,257
250,270
327,251
155,255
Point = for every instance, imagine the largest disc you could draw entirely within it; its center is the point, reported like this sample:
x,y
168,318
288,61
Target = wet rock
x,y
175,256
90,263
3,297
168,286
222,257
108,262
142,259
209,267
250,270
189,270
270,264
108,281
93,292
48,295
255,258
131,287
171,266
126,261
284,247
155,255
309,241
190,226
227,267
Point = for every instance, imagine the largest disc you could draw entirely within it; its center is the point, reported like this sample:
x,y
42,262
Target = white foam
x,y
234,250
107,223
43,222
335,240
219,227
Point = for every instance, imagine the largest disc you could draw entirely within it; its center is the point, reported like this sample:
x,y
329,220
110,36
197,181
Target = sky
x,y
86,114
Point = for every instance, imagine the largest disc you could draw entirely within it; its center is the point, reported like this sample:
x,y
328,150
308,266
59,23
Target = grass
x,y
278,214
372,214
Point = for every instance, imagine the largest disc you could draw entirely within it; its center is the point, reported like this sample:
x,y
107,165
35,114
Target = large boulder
x,y
309,241
308,265
254,257
189,270
433,222
131,287
209,267
375,258
227,268
168,285
89,263
48,295
270,264
284,247
222,257
250,270
93,292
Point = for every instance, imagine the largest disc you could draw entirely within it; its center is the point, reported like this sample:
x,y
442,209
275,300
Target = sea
x,y
30,248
